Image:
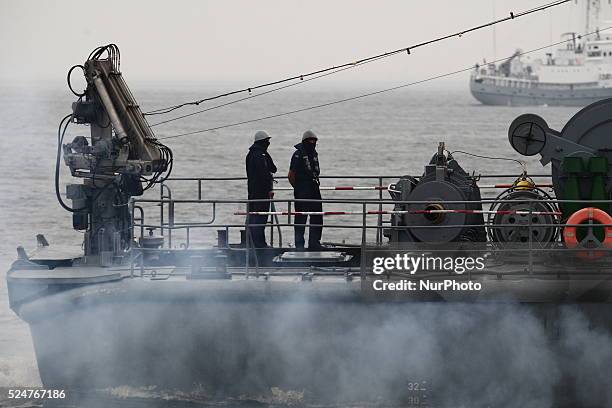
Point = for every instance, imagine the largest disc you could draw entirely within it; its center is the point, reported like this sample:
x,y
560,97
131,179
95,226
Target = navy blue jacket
x,y
306,169
260,169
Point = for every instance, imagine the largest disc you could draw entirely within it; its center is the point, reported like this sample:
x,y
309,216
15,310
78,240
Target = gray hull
x,y
239,337
489,94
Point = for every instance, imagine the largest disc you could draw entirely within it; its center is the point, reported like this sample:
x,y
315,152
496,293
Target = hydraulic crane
x,y
120,156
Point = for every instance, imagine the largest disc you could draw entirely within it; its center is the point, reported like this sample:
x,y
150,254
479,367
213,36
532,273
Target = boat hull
x,y
492,94
325,338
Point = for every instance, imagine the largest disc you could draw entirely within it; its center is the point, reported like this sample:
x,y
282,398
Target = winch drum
x,y
508,226
436,195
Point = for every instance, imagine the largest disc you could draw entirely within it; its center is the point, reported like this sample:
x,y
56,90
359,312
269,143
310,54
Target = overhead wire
x,y
351,64
251,96
322,105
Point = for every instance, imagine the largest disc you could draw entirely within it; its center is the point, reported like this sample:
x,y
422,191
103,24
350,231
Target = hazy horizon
x,y
239,41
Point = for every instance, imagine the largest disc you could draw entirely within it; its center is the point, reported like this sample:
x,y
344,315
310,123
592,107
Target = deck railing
x,y
370,208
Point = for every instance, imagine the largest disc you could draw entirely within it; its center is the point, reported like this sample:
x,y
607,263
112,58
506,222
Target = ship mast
x,y
593,7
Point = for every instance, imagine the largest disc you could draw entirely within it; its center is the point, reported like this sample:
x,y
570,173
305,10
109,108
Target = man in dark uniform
x,y
259,168
304,177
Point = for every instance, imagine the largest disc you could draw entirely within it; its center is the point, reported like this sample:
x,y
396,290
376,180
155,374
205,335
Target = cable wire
x,y
448,74
520,162
82,94
252,96
339,68
60,138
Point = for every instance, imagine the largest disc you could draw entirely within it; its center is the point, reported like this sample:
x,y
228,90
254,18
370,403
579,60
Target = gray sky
x,y
240,40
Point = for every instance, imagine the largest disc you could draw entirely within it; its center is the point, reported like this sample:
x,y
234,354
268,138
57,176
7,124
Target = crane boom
x,y
121,153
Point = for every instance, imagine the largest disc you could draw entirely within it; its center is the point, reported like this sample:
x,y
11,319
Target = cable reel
x,y
523,213
580,154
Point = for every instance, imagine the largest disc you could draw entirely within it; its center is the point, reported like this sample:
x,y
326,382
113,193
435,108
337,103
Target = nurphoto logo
x,y
406,263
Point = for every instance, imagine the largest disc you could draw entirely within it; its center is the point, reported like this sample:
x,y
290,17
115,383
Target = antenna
x,y
593,7
588,15
494,34
550,30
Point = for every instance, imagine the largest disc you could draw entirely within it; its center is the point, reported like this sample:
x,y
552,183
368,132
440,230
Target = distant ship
x,y
577,74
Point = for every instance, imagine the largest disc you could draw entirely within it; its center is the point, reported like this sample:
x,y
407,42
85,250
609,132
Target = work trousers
x,y
257,224
316,224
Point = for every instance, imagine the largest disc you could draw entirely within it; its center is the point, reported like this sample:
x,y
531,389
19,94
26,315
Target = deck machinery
x,y
134,310
120,154
443,186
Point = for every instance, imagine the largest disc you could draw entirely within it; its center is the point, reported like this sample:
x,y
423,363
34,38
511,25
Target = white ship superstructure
x,y
578,73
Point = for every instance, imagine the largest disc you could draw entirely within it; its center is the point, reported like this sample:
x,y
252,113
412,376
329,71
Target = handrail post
x,y
363,245
170,222
289,214
142,221
131,209
246,243
530,238
380,217
275,221
141,264
134,219
161,208
272,208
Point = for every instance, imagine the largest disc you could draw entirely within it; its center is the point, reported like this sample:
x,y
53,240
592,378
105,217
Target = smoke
x,y
444,354
18,371
17,362
587,349
477,355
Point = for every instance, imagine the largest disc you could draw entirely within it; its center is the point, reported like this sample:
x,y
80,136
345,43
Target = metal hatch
x,y
314,256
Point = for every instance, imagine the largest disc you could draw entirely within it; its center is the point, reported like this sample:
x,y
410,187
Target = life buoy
x,y
597,216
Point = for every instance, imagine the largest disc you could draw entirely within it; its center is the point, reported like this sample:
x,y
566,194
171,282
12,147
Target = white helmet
x,y
309,134
260,135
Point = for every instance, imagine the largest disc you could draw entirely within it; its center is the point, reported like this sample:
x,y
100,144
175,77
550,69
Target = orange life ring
x,y
586,214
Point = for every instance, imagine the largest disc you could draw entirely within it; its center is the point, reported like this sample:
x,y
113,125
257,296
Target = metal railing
x,y
166,198
168,224
165,193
